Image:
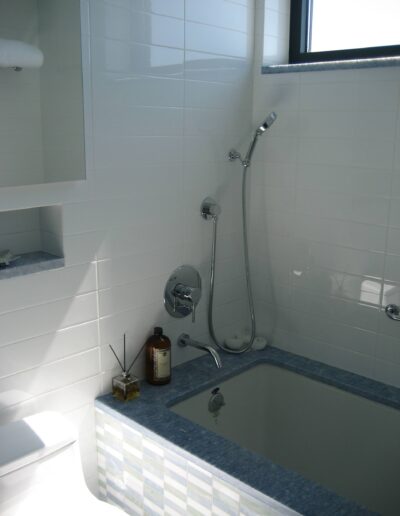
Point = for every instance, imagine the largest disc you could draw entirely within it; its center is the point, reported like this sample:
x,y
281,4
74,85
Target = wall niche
x,y
30,241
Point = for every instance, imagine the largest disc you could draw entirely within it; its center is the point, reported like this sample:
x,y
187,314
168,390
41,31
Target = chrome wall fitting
x,y
393,311
183,292
209,209
233,155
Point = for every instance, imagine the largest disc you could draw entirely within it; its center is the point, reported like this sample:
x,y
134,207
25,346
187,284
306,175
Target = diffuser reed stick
x,y
123,367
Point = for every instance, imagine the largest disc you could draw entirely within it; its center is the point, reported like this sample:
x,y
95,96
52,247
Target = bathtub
x,y
294,436
345,442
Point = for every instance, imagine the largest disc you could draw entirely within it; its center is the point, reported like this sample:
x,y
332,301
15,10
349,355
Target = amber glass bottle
x,y
158,358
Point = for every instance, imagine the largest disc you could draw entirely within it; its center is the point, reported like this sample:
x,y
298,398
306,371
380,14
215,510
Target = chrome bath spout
x,y
185,340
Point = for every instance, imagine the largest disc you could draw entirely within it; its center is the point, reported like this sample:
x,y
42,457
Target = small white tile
x,y
52,376
205,38
38,351
392,273
45,318
219,12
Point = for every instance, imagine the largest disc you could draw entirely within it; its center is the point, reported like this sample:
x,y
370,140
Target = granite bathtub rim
x,y
152,412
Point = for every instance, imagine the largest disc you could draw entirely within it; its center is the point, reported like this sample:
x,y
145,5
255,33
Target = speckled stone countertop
x,y
151,411
351,64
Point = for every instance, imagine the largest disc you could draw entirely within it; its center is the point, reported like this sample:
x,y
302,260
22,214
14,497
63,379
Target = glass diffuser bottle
x,y
125,387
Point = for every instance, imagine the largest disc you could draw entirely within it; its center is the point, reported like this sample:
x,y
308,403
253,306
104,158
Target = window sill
x,y
331,65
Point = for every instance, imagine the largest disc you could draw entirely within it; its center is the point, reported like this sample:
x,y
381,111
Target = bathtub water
x,y
341,440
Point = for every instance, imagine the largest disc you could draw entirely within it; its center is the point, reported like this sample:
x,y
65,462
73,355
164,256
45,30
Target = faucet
x,y
184,340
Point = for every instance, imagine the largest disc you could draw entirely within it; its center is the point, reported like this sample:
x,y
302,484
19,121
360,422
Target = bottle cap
x,y
158,330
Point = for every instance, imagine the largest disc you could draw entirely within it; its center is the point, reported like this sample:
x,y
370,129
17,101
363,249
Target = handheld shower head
x,y
267,122
234,154
259,131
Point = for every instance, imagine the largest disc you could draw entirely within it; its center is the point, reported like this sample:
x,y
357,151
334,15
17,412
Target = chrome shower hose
x,y
247,270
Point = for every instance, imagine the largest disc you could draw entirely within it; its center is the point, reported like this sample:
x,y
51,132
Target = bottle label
x,y
162,363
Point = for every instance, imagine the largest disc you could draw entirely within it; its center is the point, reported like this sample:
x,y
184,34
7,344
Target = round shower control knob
x,y
209,209
183,292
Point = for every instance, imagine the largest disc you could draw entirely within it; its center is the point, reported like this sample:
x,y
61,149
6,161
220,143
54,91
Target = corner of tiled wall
x,y
326,224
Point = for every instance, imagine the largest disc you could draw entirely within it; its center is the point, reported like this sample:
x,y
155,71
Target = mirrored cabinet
x,y
41,92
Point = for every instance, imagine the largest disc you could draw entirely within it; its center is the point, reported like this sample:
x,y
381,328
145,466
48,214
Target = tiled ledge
x,y
29,263
331,65
151,412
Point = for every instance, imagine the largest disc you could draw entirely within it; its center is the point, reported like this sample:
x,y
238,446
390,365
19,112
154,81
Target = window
x,y
335,30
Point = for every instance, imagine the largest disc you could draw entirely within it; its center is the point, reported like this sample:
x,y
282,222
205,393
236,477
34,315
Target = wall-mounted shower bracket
x,y
183,292
233,155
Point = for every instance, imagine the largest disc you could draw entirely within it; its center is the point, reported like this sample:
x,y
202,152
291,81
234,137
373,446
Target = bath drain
x,y
216,402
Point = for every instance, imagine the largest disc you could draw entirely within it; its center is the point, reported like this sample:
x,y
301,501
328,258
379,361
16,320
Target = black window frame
x,y
298,41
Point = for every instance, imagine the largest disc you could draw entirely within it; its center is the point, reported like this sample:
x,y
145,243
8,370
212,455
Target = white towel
x,y
17,54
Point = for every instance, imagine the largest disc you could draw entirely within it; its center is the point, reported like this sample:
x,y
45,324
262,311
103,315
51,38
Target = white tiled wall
x,y
168,92
325,207
272,32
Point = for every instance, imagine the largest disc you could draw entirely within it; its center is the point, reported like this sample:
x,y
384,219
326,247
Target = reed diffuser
x,y
125,387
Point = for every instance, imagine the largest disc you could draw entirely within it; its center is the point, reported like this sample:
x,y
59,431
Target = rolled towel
x,y
234,342
17,54
259,343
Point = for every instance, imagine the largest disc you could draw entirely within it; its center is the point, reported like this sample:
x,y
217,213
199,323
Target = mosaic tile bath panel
x,y
143,475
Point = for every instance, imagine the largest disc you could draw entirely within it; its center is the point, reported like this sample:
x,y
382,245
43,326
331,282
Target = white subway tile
x,y
220,13
23,386
175,8
393,244
341,232
65,399
127,269
35,289
45,318
215,68
215,40
38,351
117,90
114,22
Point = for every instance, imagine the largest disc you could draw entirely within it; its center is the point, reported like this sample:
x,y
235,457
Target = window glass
x,y
343,24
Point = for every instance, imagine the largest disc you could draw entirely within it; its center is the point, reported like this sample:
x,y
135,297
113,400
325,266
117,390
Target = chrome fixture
x,y
183,292
267,122
393,311
209,209
235,155
216,401
184,340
